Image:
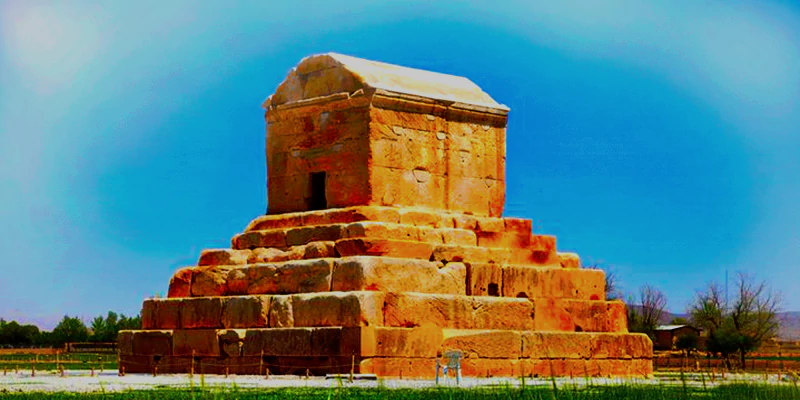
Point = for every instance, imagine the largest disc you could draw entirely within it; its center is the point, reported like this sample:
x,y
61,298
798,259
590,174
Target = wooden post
x,y
226,371
261,364
352,367
308,372
91,369
33,369
155,370
58,364
191,369
122,371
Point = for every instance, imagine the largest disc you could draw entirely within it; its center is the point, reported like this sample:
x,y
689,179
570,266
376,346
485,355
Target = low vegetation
x,y
727,392
69,330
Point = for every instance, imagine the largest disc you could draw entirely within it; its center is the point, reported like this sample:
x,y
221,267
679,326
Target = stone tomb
x,y
384,245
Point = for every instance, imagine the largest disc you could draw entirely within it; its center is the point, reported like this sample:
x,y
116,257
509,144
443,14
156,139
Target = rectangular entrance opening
x,y
317,201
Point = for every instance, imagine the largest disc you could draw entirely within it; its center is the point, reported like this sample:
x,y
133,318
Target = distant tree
x,y
750,320
644,316
678,321
14,334
754,314
99,329
687,343
613,291
126,323
70,329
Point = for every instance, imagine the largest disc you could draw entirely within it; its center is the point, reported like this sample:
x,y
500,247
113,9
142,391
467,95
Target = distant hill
x,y
790,323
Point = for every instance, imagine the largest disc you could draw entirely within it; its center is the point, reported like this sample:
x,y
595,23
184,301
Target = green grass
x,y
726,392
47,362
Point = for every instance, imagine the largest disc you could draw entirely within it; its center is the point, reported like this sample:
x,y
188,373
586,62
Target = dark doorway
x,y
317,201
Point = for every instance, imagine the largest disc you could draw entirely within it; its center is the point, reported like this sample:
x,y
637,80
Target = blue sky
x,y
661,138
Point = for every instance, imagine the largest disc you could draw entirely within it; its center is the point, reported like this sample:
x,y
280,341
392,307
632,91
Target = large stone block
x,y
552,316
336,341
492,367
484,343
281,313
569,260
425,218
290,277
325,217
459,237
621,346
307,234
596,315
399,148
246,312
148,315
345,309
125,342
231,342
397,275
484,279
471,254
407,187
162,313
152,343
384,248
180,285
202,312
195,342
273,255
210,280
553,282
223,257
278,342
319,250
348,187
381,230
254,239
457,311
422,341
402,367
556,345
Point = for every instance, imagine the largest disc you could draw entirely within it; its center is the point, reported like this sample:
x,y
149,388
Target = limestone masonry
x,y
384,246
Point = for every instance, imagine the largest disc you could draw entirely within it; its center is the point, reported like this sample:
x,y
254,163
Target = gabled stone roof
x,y
331,73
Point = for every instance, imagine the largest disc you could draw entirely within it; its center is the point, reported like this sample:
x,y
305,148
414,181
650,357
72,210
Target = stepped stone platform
x,y
383,247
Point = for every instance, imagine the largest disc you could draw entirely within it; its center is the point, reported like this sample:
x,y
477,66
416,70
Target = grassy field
x,y
727,392
51,362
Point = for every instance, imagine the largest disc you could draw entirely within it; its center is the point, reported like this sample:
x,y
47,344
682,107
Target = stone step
x,y
391,274
321,275
384,351
440,245
392,215
285,238
425,368
371,308
491,279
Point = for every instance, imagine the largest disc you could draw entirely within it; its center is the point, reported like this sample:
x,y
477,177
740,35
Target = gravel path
x,y
109,381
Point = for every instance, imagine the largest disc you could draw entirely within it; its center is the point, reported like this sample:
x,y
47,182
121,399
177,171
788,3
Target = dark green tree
x,y
687,343
70,329
99,329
